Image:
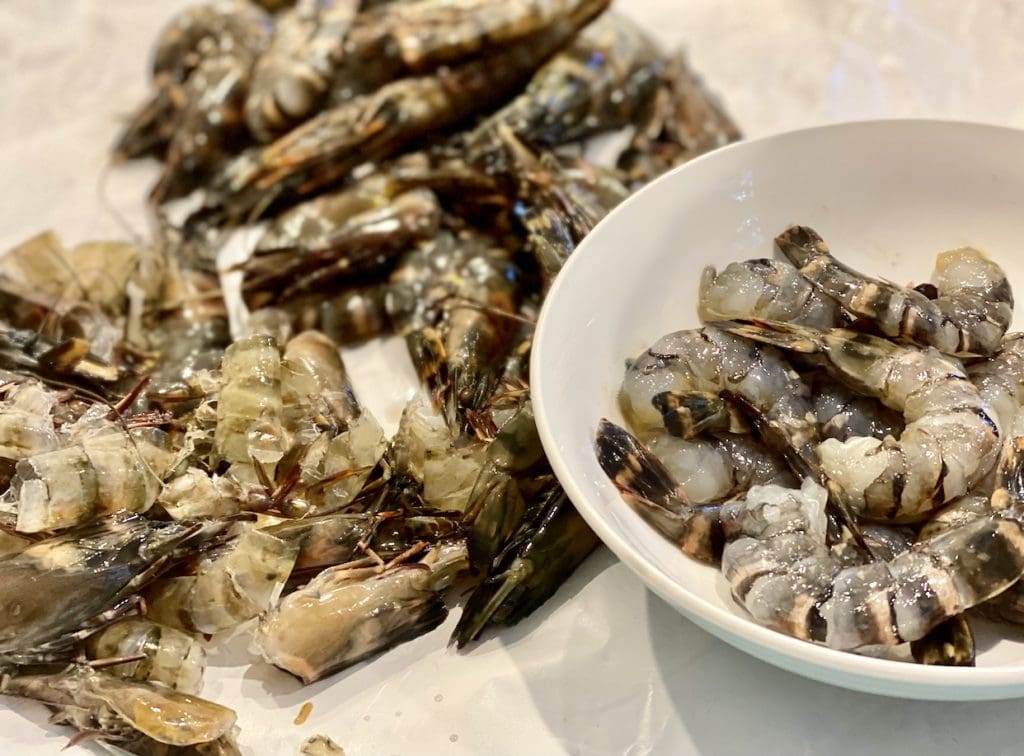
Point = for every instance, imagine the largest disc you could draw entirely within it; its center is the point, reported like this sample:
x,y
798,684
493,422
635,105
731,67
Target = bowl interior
x,y
886,196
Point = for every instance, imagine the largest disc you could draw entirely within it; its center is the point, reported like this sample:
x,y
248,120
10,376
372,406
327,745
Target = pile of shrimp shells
x,y
847,450
169,482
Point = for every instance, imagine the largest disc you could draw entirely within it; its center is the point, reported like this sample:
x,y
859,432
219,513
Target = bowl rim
x,y
745,628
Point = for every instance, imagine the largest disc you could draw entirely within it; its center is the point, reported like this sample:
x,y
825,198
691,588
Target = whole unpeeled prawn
x,y
602,81
294,74
376,126
454,300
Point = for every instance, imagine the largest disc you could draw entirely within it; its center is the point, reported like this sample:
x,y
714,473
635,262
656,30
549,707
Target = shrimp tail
x,y
688,414
634,469
500,508
529,572
950,644
792,338
649,489
800,244
485,602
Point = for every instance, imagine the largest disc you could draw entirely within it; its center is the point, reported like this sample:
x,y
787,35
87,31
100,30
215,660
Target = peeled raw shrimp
x,y
951,439
968,317
841,413
1000,382
781,568
709,359
958,512
767,290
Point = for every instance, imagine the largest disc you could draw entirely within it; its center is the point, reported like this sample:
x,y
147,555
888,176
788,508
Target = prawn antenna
x,y
112,210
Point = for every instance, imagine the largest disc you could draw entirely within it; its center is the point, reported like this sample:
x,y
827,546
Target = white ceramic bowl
x,y
887,196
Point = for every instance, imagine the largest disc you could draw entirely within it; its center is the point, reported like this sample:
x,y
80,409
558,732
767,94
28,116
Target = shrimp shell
x,y
56,587
232,585
108,470
144,717
342,617
171,657
249,405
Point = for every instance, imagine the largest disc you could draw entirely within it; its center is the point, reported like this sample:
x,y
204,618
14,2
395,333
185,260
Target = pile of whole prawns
x,y
849,451
417,166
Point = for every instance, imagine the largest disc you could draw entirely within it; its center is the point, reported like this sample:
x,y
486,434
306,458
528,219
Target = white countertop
x,y
605,667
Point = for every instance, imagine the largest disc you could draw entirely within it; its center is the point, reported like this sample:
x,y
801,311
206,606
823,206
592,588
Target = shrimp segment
x,y
768,290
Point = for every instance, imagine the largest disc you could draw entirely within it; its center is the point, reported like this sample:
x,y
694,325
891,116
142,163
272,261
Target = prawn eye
x,y
295,96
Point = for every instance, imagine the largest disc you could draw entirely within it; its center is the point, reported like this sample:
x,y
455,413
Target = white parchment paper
x,y
604,667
